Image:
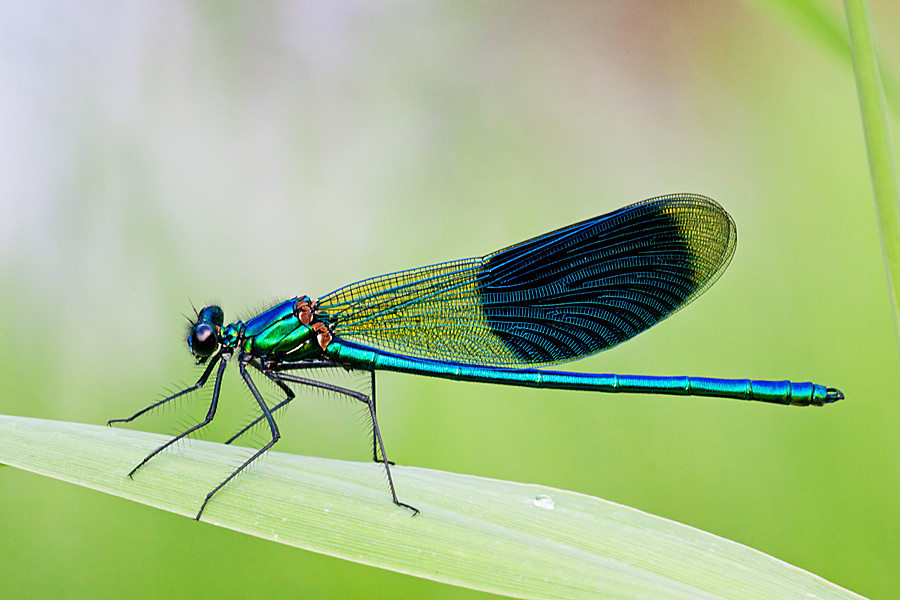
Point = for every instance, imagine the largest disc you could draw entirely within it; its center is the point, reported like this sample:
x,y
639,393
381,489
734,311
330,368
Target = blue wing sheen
x,y
567,294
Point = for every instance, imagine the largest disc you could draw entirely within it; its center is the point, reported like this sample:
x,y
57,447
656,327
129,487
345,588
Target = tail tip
x,y
833,395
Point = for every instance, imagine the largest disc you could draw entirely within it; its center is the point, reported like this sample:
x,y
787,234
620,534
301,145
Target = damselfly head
x,y
203,337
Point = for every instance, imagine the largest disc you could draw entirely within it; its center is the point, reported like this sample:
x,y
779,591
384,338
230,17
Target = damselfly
x,y
560,296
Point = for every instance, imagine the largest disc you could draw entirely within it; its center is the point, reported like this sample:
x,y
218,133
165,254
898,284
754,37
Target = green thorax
x,y
279,333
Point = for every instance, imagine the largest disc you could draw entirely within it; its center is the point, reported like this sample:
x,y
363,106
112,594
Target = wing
x,y
567,294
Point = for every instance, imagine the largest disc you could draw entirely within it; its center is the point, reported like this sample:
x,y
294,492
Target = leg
x,y
209,414
376,431
293,366
200,383
267,414
296,366
265,368
289,395
374,411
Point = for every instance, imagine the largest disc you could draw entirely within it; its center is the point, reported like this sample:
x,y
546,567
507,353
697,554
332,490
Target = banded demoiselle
x,y
557,297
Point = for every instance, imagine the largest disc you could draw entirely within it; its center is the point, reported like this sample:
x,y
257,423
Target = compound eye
x,y
211,314
203,340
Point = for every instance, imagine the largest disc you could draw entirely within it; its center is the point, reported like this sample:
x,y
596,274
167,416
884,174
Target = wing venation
x,y
569,293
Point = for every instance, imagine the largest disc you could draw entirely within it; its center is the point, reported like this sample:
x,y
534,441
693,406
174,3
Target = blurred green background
x,y
158,154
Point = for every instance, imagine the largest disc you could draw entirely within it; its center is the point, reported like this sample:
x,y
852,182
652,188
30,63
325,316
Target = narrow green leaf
x,y
878,142
519,540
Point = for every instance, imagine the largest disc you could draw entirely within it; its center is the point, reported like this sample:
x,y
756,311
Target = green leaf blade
x,y
876,128
515,539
